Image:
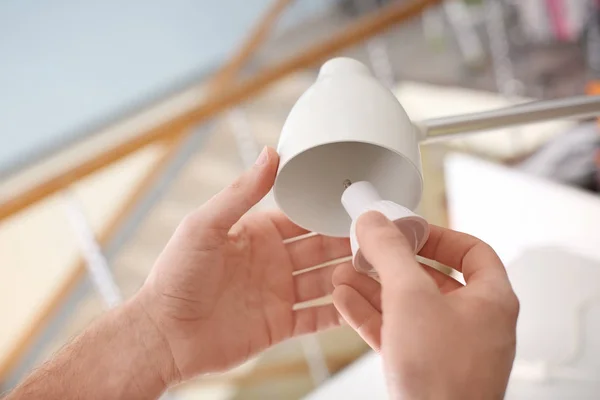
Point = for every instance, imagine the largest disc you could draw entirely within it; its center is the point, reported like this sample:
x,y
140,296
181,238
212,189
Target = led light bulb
x,y
361,197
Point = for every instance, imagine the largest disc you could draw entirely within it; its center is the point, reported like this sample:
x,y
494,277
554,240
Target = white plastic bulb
x,y
360,197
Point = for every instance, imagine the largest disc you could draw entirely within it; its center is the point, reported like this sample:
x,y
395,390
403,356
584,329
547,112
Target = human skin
x,y
222,291
438,339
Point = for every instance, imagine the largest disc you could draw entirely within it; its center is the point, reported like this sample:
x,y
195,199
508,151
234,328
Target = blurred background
x,y
118,118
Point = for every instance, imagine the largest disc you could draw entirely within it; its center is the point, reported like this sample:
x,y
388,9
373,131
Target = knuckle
x,y
244,194
475,239
489,249
190,223
479,245
512,304
485,246
481,248
236,184
195,223
504,302
194,230
238,233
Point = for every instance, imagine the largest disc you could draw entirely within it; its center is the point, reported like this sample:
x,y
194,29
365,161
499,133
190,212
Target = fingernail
x,y
263,157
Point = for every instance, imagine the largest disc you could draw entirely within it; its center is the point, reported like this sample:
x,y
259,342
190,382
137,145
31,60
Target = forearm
x,y
121,356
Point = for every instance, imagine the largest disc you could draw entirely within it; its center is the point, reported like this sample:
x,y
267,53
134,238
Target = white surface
x,y
548,236
361,380
345,126
516,212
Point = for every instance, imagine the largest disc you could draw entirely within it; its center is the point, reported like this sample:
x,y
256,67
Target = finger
x,y
286,228
465,253
313,284
359,314
384,246
370,289
228,206
315,319
367,287
315,250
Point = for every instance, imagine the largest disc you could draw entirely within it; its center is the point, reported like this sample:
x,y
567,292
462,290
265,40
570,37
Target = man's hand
x,y
223,289
438,338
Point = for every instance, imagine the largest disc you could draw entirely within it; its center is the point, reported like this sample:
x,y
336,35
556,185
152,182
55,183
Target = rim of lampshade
x,y
282,166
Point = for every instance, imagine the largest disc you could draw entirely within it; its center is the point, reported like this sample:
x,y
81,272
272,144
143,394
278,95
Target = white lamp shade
x,y
346,126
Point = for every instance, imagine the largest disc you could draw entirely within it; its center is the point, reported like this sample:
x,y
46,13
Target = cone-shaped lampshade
x,y
346,126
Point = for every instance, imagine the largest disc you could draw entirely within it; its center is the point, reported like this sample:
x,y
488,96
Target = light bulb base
x,y
362,197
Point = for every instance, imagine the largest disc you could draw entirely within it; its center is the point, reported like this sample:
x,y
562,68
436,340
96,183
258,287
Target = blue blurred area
x,y
66,63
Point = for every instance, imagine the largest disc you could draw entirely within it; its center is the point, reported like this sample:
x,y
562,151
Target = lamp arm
x,y
521,114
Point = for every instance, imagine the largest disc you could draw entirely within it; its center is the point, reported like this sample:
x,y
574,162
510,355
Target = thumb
x,y
230,204
386,248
